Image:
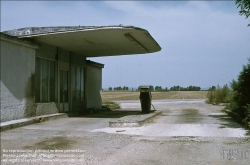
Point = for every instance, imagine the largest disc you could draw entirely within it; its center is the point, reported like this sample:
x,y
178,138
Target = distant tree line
x,y
189,88
119,88
158,88
175,88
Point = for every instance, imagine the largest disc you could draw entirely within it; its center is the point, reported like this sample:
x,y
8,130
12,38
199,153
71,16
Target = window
x,y
45,80
78,83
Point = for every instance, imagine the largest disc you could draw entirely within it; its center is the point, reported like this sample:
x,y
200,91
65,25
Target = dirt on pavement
x,y
189,132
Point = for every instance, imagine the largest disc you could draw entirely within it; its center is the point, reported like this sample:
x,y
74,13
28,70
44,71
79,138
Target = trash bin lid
x,y
144,88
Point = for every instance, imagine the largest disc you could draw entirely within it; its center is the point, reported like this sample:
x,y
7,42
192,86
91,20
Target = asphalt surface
x,y
188,132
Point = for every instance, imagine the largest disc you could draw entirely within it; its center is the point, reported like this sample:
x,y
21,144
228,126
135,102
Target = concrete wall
x,y
46,108
17,79
94,84
18,59
46,51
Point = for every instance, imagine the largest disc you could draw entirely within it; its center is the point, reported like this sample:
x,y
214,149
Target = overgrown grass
x,y
111,105
219,95
225,95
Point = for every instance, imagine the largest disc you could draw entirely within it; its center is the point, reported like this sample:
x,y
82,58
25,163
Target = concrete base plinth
x,y
134,120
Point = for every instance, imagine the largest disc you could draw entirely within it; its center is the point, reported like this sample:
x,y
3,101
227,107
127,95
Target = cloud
x,y
203,43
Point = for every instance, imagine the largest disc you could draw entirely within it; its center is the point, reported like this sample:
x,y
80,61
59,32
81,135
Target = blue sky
x,y
203,43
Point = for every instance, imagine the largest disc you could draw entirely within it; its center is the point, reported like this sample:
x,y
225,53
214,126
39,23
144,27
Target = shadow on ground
x,y
226,121
112,114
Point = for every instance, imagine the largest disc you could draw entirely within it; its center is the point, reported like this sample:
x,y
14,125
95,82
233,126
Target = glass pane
x,y
37,80
65,86
61,86
52,81
78,83
44,80
73,80
82,83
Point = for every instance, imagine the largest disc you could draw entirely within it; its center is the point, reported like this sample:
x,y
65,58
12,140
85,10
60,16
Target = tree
x,y
110,88
175,88
151,87
241,88
213,88
158,88
244,7
117,88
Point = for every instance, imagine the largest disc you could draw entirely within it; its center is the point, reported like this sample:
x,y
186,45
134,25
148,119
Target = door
x,y
64,91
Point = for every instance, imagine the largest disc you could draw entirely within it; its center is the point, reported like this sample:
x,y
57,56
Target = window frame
x,y
40,96
75,83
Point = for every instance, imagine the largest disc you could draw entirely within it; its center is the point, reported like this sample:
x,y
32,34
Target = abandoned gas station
x,y
44,70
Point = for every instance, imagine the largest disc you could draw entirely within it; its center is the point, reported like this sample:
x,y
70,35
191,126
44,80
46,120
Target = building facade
x,y
44,70
39,79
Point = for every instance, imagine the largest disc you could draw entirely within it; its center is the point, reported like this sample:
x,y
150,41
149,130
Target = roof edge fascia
x,y
28,32
16,40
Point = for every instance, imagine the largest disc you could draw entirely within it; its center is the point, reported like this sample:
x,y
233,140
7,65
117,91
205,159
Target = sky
x,y
204,43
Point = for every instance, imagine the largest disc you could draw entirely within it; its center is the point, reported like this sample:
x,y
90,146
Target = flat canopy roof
x,y
93,41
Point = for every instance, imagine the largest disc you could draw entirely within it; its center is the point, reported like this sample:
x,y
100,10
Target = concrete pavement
x,y
187,117
188,132
31,120
128,118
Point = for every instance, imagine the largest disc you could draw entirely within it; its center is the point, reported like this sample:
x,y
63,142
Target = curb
x,y
32,120
134,120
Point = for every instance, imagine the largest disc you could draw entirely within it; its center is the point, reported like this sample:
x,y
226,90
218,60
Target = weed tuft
x,y
111,105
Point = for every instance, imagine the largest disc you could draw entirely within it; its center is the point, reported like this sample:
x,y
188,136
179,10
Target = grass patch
x,y
111,105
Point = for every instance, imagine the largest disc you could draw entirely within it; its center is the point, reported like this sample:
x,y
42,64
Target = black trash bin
x,y
145,98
